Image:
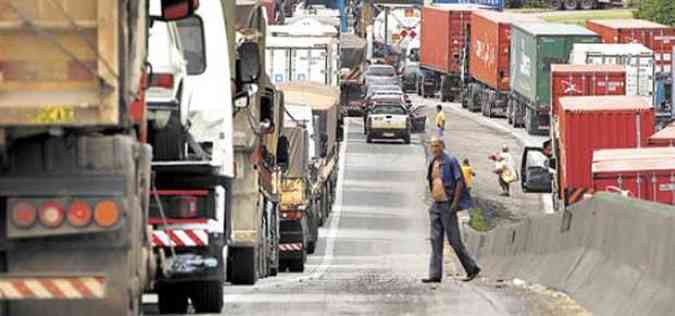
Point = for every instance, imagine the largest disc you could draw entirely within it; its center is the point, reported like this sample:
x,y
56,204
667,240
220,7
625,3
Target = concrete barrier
x,y
616,258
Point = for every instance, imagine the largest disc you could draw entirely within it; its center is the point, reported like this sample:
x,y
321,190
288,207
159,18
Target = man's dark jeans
x,y
445,221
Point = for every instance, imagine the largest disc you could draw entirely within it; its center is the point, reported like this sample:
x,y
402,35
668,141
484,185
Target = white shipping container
x,y
639,61
302,59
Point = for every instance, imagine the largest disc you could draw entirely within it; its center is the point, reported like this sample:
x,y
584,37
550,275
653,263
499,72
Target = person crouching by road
x,y
440,121
450,195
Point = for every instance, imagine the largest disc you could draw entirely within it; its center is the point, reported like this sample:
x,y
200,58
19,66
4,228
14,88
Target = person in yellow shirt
x,y
468,173
440,121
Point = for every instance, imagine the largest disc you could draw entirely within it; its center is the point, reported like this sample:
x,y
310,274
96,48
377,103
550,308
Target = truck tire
x,y
571,4
530,121
244,265
475,99
311,247
588,4
169,143
556,4
509,111
444,89
297,265
406,139
369,139
172,299
207,297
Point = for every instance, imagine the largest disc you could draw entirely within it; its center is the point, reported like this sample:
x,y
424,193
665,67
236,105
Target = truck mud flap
x,y
53,288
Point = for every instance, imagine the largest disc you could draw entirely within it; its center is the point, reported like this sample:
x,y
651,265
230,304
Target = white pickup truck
x,y
392,120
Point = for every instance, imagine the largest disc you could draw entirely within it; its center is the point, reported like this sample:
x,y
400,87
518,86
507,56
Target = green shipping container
x,y
534,48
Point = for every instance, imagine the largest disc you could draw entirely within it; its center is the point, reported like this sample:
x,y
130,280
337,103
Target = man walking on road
x,y
449,195
440,121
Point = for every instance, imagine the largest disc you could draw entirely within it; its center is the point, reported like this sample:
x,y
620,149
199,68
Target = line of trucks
x,y
603,95
499,63
143,149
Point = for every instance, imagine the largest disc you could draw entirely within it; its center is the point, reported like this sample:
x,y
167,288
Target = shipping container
x,y
302,59
637,58
492,4
490,59
534,48
491,51
587,124
585,80
643,173
444,36
664,137
655,36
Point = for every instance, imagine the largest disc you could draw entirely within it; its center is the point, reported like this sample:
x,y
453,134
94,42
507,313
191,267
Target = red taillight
x,y
24,214
51,214
404,33
161,80
413,34
292,215
79,213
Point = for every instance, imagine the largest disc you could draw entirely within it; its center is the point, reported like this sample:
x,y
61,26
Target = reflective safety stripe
x,y
52,288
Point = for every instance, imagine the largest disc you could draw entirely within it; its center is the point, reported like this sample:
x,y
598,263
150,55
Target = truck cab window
x,y
191,32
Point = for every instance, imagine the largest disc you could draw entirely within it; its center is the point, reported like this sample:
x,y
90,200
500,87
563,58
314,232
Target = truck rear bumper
x,y
15,287
291,241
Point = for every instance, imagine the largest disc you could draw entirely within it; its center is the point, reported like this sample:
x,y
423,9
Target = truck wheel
x,y
244,266
571,4
207,297
172,300
556,4
588,4
368,139
529,121
406,139
297,265
311,247
168,143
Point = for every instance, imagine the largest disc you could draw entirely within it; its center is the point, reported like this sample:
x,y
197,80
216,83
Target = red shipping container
x,y
585,80
664,137
490,56
599,122
657,37
646,173
443,38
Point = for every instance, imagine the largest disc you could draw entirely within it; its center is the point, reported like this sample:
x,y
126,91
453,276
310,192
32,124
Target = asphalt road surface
x,y
375,249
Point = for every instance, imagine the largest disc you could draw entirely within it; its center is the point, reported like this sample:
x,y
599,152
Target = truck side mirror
x,y
173,10
248,69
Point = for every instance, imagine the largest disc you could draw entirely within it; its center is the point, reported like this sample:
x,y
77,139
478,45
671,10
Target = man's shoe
x,y
431,280
472,275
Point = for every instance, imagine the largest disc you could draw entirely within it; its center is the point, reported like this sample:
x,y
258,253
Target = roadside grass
x,y
477,220
583,16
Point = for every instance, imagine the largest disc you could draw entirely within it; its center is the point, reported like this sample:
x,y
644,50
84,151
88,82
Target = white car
x,y
168,91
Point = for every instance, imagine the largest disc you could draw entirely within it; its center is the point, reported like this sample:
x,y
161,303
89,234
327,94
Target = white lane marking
x,y
330,235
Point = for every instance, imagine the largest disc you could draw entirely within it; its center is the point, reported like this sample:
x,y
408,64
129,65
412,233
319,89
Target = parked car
x,y
536,176
373,89
427,83
375,72
409,77
391,119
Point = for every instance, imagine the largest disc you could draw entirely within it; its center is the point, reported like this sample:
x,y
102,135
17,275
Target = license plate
x,y
388,134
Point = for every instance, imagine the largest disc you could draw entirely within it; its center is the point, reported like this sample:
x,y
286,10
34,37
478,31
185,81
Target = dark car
x,y
409,77
535,174
428,83
352,99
